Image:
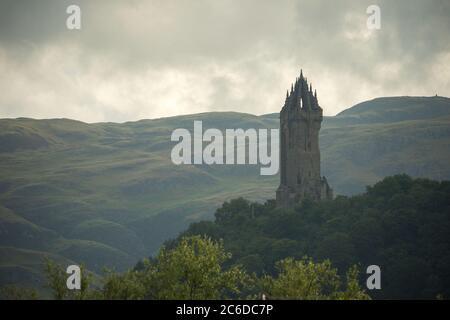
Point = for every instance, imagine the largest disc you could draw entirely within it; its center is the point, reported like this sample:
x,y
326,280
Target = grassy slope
x,y
108,194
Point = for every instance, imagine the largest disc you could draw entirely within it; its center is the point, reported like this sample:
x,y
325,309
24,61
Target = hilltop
x,y
107,193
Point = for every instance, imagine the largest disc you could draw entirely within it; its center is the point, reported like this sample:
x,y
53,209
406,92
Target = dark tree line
x,y
400,224
314,251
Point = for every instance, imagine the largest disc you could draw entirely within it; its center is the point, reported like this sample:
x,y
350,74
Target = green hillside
x,y
107,194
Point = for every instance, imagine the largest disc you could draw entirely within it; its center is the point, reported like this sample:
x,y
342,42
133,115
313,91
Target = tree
x,y
193,270
126,286
305,280
56,281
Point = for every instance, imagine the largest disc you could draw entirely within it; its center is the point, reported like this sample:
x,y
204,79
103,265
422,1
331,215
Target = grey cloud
x,y
130,57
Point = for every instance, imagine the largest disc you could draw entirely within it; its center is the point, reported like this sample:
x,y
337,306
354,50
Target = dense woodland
x,y
315,251
400,224
195,269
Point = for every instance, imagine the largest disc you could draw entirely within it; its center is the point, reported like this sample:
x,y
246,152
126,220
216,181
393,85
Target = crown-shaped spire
x,y
301,95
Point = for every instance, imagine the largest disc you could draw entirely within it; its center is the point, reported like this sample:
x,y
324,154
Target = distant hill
x,y
394,109
107,194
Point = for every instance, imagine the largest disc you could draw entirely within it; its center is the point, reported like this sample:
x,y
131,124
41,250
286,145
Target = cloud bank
x,y
145,59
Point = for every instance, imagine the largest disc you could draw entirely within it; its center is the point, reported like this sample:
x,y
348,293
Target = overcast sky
x,y
146,59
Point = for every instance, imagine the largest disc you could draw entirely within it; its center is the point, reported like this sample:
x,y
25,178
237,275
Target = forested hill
x,y
400,224
107,194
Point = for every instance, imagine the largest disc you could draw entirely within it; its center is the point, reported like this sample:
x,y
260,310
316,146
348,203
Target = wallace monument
x,y
300,120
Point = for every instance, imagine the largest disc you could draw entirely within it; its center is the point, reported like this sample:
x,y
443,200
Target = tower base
x,y
287,197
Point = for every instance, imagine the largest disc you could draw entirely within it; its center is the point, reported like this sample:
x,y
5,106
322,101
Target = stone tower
x,y
300,120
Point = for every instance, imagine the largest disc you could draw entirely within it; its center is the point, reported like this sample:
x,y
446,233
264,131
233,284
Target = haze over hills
x,y
107,194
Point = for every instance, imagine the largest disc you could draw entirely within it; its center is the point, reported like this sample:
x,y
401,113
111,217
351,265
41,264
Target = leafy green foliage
x,y
194,269
401,224
125,286
57,276
306,280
